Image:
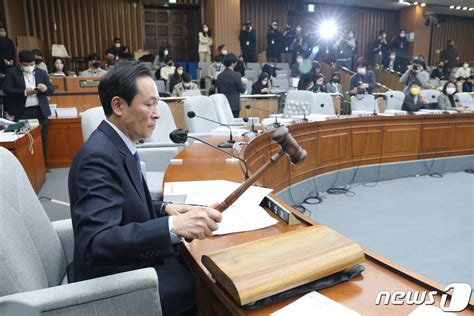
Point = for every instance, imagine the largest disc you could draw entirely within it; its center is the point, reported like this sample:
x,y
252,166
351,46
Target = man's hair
x,y
110,51
93,56
186,77
230,59
218,58
220,47
121,82
381,32
117,39
361,62
26,56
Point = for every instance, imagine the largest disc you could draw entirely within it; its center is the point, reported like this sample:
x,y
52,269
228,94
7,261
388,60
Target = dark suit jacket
x,y
14,88
230,84
410,106
116,226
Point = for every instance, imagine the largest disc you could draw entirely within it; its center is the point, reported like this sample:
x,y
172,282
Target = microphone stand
x,y
228,143
276,124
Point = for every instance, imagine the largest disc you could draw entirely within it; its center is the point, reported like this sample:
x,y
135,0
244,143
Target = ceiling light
x,y
423,4
400,1
471,9
458,7
415,3
451,7
465,8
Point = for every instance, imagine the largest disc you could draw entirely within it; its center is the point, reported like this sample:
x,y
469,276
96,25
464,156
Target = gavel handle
x,y
250,181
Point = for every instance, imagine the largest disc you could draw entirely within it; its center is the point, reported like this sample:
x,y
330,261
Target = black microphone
x,y
252,133
180,136
226,144
276,124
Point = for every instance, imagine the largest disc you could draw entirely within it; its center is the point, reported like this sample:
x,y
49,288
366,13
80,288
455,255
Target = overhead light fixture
x,y
400,1
415,3
423,4
471,9
465,8
172,1
311,7
451,7
458,7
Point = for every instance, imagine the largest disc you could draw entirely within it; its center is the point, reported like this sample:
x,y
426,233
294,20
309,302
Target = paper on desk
x,y
9,137
5,122
242,219
314,303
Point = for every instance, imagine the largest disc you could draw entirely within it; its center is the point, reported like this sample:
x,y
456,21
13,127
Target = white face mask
x,y
450,90
298,29
392,57
165,52
402,35
28,69
264,82
224,52
180,72
117,45
205,29
186,84
465,66
362,71
299,60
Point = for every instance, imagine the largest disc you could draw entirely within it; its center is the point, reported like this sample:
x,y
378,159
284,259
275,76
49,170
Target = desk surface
x,y
203,163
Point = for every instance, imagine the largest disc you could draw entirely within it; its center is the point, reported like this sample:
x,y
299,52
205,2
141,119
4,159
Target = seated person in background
x,y
392,62
39,60
262,85
270,68
413,100
184,85
110,55
364,80
463,71
319,85
467,85
168,69
109,65
222,51
94,67
446,100
177,77
59,69
440,73
306,82
240,67
334,86
415,73
117,227
126,54
295,68
215,69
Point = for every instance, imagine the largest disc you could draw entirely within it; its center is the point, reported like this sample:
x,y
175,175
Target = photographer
x,y
248,43
363,81
273,41
345,48
415,73
286,41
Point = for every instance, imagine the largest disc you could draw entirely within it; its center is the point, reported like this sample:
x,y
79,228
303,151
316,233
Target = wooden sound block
x,y
268,266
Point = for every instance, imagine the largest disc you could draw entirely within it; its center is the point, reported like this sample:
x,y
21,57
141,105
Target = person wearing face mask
x,y
168,69
274,41
415,73
215,69
287,38
94,67
110,55
39,59
440,73
413,101
185,84
7,51
345,48
464,71
392,62
295,68
59,69
262,85
298,47
450,55
222,51
177,77
205,44
400,46
319,85
447,99
27,89
270,68
248,42
117,48
379,48
240,67
334,86
363,81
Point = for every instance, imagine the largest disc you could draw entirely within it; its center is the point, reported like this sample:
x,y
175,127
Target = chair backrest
x,y
31,254
254,66
248,87
90,119
222,106
464,99
202,106
283,66
161,86
164,125
191,93
323,104
431,95
203,69
297,102
282,84
251,74
394,100
365,103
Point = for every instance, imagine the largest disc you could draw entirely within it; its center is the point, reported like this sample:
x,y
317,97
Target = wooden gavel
x,y
288,146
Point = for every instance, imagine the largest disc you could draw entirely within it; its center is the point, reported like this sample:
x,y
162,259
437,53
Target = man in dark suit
x,y
27,89
229,83
116,226
248,43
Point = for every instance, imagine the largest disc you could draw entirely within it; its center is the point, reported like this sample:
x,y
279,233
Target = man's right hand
x,y
196,223
30,91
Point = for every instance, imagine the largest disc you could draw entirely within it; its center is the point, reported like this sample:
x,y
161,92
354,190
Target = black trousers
x,y
35,112
236,113
249,55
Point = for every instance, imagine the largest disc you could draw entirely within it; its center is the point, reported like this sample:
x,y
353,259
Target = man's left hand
x,y
42,88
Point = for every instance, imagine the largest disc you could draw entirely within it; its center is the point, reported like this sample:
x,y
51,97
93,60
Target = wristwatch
x,y
163,208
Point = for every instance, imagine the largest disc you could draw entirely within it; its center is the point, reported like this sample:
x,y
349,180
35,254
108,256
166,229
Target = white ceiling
x,y
432,6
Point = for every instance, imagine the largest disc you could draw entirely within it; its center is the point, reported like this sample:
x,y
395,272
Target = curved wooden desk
x,y
330,145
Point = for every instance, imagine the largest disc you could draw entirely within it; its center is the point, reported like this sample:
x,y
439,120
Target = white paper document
x,y
245,214
66,112
9,137
314,303
5,122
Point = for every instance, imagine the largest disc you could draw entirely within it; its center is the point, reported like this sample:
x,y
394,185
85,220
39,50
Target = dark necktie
x,y
139,167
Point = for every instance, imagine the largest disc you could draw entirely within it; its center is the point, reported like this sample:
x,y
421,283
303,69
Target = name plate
x,y
89,83
277,209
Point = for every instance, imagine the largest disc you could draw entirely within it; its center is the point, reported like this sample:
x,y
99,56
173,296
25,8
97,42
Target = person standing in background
x,y
286,41
450,55
222,51
273,41
400,46
248,43
205,43
346,48
379,48
231,84
7,51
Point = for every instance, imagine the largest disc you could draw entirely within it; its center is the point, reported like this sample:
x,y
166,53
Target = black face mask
x,y
96,64
170,64
335,80
38,61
